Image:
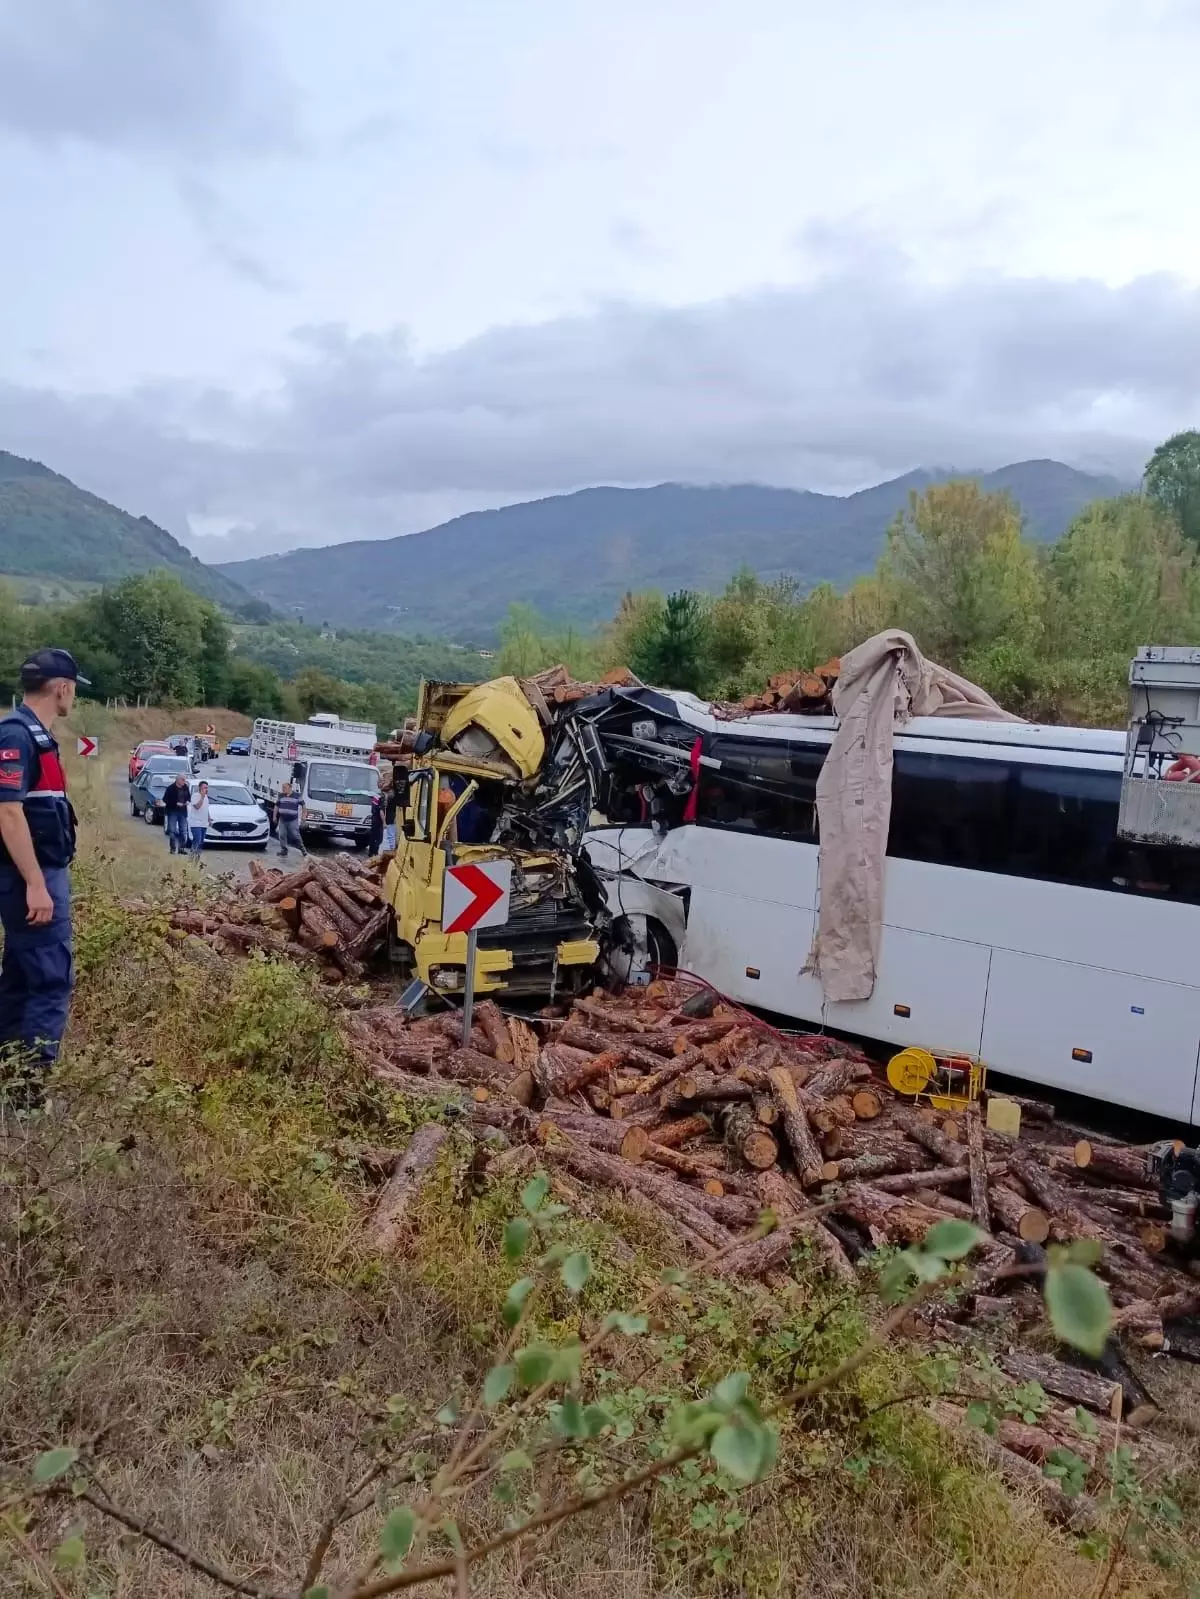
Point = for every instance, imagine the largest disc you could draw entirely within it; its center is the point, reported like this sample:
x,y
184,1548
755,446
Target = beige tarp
x,y
883,683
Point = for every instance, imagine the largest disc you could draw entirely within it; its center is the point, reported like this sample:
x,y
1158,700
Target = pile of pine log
x,y
704,1115
800,693
328,913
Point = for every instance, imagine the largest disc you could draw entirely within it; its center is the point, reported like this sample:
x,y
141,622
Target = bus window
x,y
1065,827
762,786
950,810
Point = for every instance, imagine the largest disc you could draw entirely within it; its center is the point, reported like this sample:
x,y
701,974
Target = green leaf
x,y
1079,1307
577,1268
516,1460
570,1421
447,1415
1085,1423
672,1276
517,1234
535,1191
596,1418
896,1276
497,1384
514,1300
731,1390
71,1555
397,1533
979,1413
535,1364
54,1463
567,1362
1084,1252
630,1325
743,1449
951,1240
320,1592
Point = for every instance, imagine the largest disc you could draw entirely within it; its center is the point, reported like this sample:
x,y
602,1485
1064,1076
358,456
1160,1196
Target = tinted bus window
x,y
950,810
762,786
1065,826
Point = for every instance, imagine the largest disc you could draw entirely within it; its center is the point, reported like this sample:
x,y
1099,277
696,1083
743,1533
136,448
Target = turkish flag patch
x,y
10,755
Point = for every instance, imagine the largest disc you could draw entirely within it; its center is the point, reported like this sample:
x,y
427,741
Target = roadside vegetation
x,y
197,1348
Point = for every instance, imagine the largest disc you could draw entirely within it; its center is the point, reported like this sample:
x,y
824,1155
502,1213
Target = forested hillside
x,y
574,555
1049,630
51,529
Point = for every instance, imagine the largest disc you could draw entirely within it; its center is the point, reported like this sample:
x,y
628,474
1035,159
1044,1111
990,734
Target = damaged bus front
x,y
478,754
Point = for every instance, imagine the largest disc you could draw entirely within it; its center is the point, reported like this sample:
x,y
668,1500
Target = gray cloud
x,y
157,75
852,378
224,233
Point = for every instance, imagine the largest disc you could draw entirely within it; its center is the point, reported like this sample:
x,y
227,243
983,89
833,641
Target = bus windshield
x,y
342,783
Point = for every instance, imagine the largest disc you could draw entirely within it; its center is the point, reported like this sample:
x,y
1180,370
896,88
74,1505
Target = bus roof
x,y
959,730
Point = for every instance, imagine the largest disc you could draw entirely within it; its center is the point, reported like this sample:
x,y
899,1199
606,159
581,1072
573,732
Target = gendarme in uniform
x,y
35,894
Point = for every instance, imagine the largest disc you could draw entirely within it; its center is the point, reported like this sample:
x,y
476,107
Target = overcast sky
x,y
281,272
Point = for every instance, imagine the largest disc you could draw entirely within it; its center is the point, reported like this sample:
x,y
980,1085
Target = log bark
x,y
373,930
388,1221
1018,1216
1079,1513
795,1124
747,1140
718,1090
592,1070
1113,1165
931,1138
977,1166
901,1220
836,1076
665,1193
472,1066
1149,1315
759,1255
350,908
786,1198
315,894
1067,1382
942,1177
865,1168
319,925
287,883
487,1013
252,938
671,1134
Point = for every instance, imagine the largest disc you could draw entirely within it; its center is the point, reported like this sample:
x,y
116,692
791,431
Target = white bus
x,y
1017,926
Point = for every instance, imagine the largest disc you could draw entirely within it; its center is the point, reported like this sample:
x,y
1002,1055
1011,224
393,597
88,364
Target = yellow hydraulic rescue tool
x,y
948,1082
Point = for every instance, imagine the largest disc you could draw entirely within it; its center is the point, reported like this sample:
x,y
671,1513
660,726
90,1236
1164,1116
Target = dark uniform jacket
x,y
31,775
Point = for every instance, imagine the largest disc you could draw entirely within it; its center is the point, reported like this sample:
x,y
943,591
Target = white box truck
x,y
331,765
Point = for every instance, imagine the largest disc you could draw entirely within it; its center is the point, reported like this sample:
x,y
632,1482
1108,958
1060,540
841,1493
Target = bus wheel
x,y
636,948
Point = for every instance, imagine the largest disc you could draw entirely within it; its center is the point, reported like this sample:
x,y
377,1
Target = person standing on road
x,y
199,818
287,820
175,807
37,845
376,839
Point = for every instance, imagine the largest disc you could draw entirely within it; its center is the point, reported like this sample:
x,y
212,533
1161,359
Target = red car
x,y
147,748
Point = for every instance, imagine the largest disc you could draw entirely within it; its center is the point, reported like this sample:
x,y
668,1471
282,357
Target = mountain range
x,y
52,530
573,556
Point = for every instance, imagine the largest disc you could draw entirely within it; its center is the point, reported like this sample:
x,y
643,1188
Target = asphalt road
x,y
232,858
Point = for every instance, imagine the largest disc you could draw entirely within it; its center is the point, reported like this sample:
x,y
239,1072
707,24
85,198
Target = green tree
x,y
254,690
1172,481
316,690
957,569
673,655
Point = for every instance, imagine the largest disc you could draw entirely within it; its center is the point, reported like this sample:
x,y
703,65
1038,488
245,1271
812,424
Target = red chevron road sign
x,y
475,896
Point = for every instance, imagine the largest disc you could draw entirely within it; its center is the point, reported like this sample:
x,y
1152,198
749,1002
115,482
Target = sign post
x,y
86,747
474,896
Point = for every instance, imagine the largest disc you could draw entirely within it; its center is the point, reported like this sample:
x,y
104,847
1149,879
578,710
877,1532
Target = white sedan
x,y
236,816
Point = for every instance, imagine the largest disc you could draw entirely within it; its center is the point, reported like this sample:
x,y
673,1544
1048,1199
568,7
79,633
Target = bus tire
x,y
636,946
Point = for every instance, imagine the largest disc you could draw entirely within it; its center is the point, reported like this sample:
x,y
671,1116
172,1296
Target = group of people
x,y
188,817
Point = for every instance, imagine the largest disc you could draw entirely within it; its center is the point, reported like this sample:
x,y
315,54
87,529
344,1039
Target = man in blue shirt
x,y
37,845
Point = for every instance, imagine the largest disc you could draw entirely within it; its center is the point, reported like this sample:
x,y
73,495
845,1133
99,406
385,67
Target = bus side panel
x,y
730,937
750,865
1143,1035
928,991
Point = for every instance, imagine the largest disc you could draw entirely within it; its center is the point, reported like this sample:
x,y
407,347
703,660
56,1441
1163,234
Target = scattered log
x,y
487,1014
866,1104
390,1216
867,1167
977,1166
795,1123
1110,1164
318,924
670,1197
759,1255
1017,1216
328,882
291,883
672,1134
932,1139
1079,1513
316,894
1067,1382
748,1141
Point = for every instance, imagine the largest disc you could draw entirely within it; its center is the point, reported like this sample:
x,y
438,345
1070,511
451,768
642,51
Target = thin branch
x,y
196,1562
